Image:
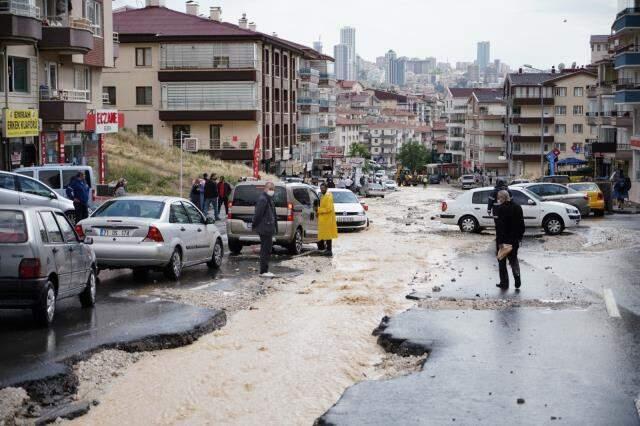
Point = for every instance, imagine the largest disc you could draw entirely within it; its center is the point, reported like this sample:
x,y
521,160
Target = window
x,y
561,129
561,91
67,230
67,175
143,56
276,64
18,74
561,110
109,93
267,103
51,75
93,12
285,67
221,62
481,197
180,131
578,91
214,136
276,100
561,146
285,101
82,80
177,214
53,232
265,62
519,198
285,135
194,214
517,147
13,226
143,95
578,110
7,182
302,196
43,232
33,187
51,178
145,130
577,128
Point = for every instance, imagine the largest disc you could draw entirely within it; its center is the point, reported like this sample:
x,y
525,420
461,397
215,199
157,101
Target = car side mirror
x,y
531,202
87,240
210,221
53,195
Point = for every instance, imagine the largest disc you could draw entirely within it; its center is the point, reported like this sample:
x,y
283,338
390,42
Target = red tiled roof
x,y
389,96
347,84
423,129
349,122
460,92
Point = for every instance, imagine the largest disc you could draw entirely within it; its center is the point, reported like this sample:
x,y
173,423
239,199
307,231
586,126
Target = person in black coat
x,y
211,197
501,185
265,224
509,230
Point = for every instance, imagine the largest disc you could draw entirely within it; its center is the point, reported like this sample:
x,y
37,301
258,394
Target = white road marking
x,y
610,303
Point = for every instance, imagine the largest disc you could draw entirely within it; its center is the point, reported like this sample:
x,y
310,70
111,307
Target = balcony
x,y
627,59
627,19
525,139
66,35
309,75
19,21
628,96
516,119
228,151
532,101
63,106
218,56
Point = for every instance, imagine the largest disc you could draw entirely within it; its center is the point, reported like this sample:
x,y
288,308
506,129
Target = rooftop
x,y
599,38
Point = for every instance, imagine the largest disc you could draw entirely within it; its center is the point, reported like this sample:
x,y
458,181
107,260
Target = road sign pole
x,y
181,149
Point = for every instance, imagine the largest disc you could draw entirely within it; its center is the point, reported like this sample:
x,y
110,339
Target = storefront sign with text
x,y
106,121
20,123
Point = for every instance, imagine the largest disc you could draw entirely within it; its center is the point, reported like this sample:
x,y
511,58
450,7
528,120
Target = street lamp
x,y
541,85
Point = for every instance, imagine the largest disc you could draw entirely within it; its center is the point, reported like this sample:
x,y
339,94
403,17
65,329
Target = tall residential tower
x,y
348,38
484,55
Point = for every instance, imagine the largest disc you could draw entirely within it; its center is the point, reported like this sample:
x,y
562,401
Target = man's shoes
x,y
503,286
267,275
518,283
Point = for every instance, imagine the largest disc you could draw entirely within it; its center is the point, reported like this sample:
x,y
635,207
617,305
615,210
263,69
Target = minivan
x,y
295,207
58,176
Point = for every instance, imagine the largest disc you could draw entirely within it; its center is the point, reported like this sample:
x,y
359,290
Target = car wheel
x,y
296,245
45,310
469,224
174,268
218,254
598,213
140,274
553,225
235,247
88,296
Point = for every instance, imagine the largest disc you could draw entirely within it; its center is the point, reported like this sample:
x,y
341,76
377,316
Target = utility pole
x,y
541,130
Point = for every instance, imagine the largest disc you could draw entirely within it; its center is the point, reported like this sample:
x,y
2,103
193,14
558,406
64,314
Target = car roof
x,y
163,198
339,190
27,208
56,166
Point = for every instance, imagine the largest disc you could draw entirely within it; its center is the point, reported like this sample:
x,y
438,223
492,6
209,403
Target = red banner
x,y
256,159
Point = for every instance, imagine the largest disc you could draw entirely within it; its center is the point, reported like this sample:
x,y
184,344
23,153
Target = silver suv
x,y
43,260
295,207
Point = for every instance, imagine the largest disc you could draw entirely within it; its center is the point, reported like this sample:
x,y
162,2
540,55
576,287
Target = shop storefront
x,y
19,146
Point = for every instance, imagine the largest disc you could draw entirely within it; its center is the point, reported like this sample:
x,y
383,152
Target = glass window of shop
x,y
20,152
81,148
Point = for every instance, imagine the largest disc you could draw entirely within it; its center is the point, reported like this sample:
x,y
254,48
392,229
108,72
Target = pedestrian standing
x,y
194,193
211,197
621,188
79,192
500,186
121,188
265,224
224,190
330,183
327,225
509,231
203,181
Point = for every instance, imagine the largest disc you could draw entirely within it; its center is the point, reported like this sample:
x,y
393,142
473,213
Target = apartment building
x,y
484,133
52,57
599,45
626,63
455,101
385,143
182,75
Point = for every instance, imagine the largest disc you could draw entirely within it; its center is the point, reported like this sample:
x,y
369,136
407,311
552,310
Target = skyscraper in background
x,y
484,55
341,57
348,38
317,46
394,69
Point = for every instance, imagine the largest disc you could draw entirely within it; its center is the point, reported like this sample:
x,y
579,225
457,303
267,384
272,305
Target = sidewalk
x,y
629,208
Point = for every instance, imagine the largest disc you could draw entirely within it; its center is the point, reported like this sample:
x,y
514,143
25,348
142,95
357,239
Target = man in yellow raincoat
x,y
327,226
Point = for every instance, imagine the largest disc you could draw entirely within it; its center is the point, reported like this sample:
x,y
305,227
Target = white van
x,y
58,176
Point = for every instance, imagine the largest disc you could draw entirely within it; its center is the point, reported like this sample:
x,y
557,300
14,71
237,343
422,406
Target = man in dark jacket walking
x,y
224,190
211,197
79,192
265,224
501,185
509,230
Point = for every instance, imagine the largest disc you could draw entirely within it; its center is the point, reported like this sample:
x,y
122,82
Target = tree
x,y
414,156
359,150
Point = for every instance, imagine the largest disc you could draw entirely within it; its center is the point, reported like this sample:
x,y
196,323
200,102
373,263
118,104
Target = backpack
x,y
627,183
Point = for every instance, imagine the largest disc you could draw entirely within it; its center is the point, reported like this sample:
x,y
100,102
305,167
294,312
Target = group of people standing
x,y
210,192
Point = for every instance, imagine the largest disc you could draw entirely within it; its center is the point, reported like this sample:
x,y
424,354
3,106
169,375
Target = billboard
x,y
20,123
332,152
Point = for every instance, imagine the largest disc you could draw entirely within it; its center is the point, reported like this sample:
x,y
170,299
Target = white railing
x,y
220,55
217,145
214,96
72,95
22,8
70,21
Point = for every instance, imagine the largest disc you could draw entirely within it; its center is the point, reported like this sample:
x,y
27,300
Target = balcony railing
x,y
217,144
207,56
70,22
629,58
72,95
190,104
21,8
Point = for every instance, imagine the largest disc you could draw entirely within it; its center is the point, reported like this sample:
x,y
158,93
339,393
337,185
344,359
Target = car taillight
x,y
154,234
600,196
586,197
29,268
80,231
229,215
444,206
289,212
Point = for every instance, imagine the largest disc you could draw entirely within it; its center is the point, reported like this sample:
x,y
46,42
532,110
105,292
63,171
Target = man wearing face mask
x,y
265,224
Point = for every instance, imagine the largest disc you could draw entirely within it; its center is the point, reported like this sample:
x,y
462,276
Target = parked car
x,y
469,211
58,177
292,179
295,207
467,181
152,232
519,181
350,213
42,260
375,190
564,179
560,193
595,194
435,179
390,185
21,190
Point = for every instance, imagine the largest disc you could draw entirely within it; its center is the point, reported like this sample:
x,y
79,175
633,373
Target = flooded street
x,y
291,355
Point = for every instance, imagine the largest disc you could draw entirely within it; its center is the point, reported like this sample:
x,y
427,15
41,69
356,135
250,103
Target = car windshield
x,y
13,227
467,177
375,186
247,195
390,182
531,194
145,209
585,187
344,198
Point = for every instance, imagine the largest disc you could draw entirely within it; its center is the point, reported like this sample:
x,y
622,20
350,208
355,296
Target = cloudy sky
x,y
520,31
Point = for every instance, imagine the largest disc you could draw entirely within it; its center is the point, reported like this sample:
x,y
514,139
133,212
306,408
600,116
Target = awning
x,y
572,162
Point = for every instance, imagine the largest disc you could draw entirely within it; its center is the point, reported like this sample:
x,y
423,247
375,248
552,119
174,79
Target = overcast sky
x,y
520,31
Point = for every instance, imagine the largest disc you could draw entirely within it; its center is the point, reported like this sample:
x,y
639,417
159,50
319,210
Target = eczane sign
x,y
106,121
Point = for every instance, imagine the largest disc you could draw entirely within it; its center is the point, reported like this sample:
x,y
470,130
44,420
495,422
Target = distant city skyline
x,y
564,25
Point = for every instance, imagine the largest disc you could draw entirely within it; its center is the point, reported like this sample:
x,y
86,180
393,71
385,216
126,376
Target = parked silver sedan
x,y
42,260
152,232
560,193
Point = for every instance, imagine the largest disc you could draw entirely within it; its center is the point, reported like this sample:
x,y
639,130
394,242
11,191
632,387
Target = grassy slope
x,y
152,168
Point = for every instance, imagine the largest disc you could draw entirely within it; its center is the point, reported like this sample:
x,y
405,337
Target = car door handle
x,y
70,249
182,229
477,208
54,250
199,230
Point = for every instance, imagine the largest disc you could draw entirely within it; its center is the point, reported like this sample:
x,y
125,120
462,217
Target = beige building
x,y
484,133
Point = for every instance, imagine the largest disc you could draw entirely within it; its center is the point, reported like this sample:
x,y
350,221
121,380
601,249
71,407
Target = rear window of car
x,y
7,182
481,197
50,177
344,198
26,173
247,195
144,209
585,187
13,227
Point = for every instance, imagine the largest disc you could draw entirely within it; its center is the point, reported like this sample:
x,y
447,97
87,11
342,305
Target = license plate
x,y
115,232
347,219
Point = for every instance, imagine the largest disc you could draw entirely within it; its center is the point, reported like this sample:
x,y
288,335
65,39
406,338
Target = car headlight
x,y
572,211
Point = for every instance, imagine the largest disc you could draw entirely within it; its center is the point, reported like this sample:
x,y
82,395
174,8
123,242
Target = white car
x,y
469,211
350,213
390,185
467,181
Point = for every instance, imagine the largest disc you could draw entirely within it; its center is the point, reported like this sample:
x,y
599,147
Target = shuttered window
x,y
209,56
210,96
